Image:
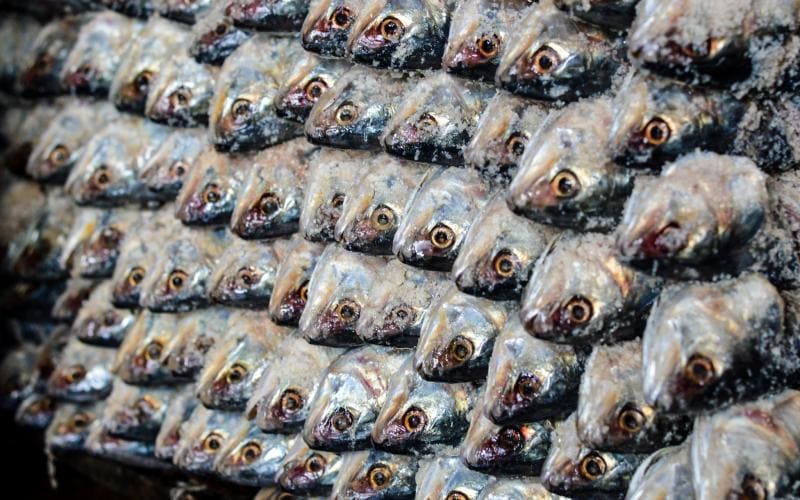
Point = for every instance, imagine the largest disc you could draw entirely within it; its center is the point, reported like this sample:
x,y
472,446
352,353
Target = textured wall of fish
x,y
432,249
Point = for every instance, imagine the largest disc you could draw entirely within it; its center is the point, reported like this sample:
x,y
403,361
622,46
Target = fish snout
x,y
539,323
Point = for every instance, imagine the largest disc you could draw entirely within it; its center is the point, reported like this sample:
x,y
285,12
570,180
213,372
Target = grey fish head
x,y
580,292
178,411
98,323
354,112
181,93
195,335
18,32
307,471
435,119
290,291
667,472
557,58
437,218
82,374
518,448
251,457
517,488
183,11
400,34
614,14
675,219
530,379
70,425
169,167
133,8
36,411
568,177
573,468
16,375
41,67
268,15
349,398
138,359
208,194
245,274
499,252
304,84
700,343
444,477
327,26
376,474
135,412
214,36
97,256
457,338
203,437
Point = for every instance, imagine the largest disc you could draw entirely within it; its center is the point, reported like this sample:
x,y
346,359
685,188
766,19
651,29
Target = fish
x,y
101,444
327,26
354,112
290,291
20,202
235,364
181,93
250,457
612,414
707,345
133,8
748,450
519,448
347,402
306,471
281,399
22,127
421,416
96,257
304,84
36,411
400,302
137,361
766,134
180,278
184,353
666,473
71,300
530,379
337,292
268,15
331,176
435,119
580,292
568,177
214,37
45,57
202,438
84,224
98,51
517,488
70,425
135,413
156,42
49,350
446,477
241,113
107,174
183,11
437,218
615,14
376,474
18,33
576,469
499,252
98,322
457,337
556,58
169,167
82,373
28,300
16,374
505,128
271,197
407,34
177,411
208,195
371,213
245,273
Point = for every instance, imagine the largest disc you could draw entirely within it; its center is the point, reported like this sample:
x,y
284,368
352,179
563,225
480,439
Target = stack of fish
x,y
433,249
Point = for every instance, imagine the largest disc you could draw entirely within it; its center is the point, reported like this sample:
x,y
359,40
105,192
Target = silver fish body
x,y
245,274
306,471
138,358
303,85
180,95
202,438
268,15
169,167
290,292
214,37
375,474
665,474
98,322
445,477
82,374
184,354
251,457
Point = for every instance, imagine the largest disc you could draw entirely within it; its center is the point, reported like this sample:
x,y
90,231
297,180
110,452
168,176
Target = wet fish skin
x,y
290,291
181,93
70,425
134,8
327,26
36,411
499,252
127,452
580,292
268,15
245,274
208,195
517,489
203,437
20,129
178,410
71,299
97,256
135,413
306,471
45,59
184,12
303,85
251,457
21,201
16,373
437,218
168,168
98,323
138,359
443,476
82,373
214,37
666,472
376,474
18,32
347,402
195,335
568,177
616,14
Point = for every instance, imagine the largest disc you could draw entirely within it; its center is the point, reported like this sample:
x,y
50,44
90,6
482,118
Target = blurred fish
x,y
83,225
304,84
16,373
183,11
665,474
568,177
306,471
71,300
346,404
530,379
518,488
613,14
134,8
270,202
400,301
457,338
245,273
135,413
83,373
170,165
48,353
202,437
96,256
138,359
195,334
180,95
250,457
447,478
98,322
327,25
241,113
214,37
124,451
576,470
268,15
580,293
70,425
178,410
21,129
612,413
46,56
436,119
97,53
372,212
36,411
18,33
556,58
21,202
400,34
437,218
499,252
30,300
290,291
208,195
337,293
375,474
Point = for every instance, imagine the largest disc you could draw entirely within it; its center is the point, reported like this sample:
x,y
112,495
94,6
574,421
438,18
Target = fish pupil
x,y
379,477
578,312
314,464
565,185
402,314
545,62
109,320
341,18
221,29
487,45
593,468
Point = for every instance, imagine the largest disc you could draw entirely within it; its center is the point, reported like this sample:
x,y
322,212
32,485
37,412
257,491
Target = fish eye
x,y
241,109
510,438
303,293
546,60
403,313
505,263
630,419
565,184
291,401
488,46
59,156
269,203
101,176
379,476
515,145
382,218
212,442
177,279
142,81
456,495
348,311
109,319
753,488
338,200
135,276
414,420
427,122
212,193
340,18
392,29
75,373
346,114
236,373
442,237
592,466
247,276
579,310
656,132
178,169
180,97
80,420
460,349
221,29
315,88
527,386
251,452
315,463
110,235
699,370
152,351
342,419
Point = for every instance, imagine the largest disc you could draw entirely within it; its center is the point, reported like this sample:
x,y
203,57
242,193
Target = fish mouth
x,y
325,41
297,479
664,243
422,254
372,49
468,63
294,106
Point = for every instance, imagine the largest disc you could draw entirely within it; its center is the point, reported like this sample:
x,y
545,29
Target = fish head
x,y
71,424
446,477
268,15
244,275
180,95
130,273
305,84
375,474
203,437
214,36
290,291
98,255
330,179
99,323
170,166
250,455
208,194
304,470
42,65
196,334
82,373
133,412
36,411
138,359
327,26
479,32
184,11
665,472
